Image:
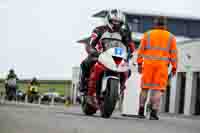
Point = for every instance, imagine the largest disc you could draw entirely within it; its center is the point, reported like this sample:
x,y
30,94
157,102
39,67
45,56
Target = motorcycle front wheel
x,y
110,98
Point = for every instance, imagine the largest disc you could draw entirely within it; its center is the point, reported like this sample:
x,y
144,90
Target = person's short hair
x,y
160,21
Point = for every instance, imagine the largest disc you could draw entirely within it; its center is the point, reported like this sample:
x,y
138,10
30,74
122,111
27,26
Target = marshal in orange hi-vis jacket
x,y
157,50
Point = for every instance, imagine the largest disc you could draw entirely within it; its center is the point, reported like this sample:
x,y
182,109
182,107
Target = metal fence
x,y
51,100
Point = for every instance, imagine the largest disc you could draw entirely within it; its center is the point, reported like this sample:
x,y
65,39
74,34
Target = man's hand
x,y
139,68
173,71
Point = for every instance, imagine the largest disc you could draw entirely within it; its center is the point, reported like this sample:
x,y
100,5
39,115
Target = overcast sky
x,y
38,37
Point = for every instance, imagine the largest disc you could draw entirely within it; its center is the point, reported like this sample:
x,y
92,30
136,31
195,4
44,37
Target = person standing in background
x,y
157,50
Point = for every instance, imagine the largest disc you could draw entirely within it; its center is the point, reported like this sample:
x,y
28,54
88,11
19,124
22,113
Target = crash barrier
x,y
181,97
50,101
183,94
2,97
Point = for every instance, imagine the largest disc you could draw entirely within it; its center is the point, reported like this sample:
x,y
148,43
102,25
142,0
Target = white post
x,y
175,93
39,100
52,100
4,97
72,92
190,93
1,98
26,99
163,102
75,93
16,98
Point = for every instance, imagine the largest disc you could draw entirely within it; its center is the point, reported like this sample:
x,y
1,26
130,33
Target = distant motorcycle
x,y
33,93
20,95
114,59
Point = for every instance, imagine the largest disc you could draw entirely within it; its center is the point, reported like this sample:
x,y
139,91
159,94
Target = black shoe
x,y
153,115
141,113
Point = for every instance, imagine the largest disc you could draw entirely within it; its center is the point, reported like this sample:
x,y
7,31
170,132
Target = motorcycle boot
x,y
91,100
85,68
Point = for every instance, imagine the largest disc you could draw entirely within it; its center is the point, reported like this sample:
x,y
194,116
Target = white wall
x,y
191,63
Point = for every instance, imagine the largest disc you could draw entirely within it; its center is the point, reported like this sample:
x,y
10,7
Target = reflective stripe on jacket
x,y
158,46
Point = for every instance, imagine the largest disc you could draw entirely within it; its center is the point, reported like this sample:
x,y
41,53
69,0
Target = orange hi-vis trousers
x,y
154,76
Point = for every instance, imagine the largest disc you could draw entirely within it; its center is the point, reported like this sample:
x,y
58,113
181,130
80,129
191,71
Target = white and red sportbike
x,y
114,60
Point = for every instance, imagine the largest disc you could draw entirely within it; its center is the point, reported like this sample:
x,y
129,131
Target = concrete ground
x,y
58,119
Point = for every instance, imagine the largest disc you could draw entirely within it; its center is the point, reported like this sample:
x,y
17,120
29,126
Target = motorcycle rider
x,y
10,83
33,89
115,24
34,81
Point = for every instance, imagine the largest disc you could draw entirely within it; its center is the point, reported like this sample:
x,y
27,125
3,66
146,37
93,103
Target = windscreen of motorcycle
x,y
119,50
113,43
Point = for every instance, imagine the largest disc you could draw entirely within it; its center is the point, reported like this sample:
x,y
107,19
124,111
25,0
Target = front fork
x,y
101,89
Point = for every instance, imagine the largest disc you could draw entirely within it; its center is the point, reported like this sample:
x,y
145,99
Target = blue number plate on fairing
x,y
118,51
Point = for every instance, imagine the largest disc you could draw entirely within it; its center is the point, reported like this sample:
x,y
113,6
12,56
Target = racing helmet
x,y
115,19
11,71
